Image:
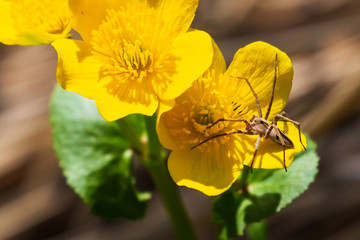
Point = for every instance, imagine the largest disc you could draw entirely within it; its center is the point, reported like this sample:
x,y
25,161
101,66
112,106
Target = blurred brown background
x,y
323,40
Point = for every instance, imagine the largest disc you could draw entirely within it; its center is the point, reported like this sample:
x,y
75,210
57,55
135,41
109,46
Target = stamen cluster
x,y
199,108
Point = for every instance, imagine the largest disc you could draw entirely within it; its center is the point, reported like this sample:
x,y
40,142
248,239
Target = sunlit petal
x,y
270,154
77,69
209,172
191,56
256,62
115,100
169,125
176,13
30,22
87,15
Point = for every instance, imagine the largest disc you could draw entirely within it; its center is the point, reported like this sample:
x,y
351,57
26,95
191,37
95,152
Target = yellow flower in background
x,y
27,22
214,165
133,54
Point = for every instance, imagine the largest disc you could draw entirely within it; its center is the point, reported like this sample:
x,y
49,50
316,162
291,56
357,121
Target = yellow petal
x,y
209,172
270,154
256,62
192,53
8,33
36,37
218,63
87,15
116,100
170,142
77,69
161,129
33,22
166,139
165,105
177,14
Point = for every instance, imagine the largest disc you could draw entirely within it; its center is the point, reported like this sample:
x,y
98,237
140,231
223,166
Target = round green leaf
x,y
95,156
268,191
289,185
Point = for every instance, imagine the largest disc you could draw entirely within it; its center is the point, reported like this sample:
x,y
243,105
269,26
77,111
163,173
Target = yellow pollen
x,y
124,42
193,117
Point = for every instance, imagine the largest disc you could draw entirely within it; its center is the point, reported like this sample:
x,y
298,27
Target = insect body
x,y
261,126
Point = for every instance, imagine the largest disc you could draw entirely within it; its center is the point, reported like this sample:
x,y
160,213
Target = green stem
x,y
130,133
172,201
156,150
243,179
167,189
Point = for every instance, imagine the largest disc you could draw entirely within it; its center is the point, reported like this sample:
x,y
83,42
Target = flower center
x,y
46,16
127,44
196,111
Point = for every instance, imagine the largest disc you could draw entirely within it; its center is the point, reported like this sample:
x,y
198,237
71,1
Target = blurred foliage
x,y
268,191
257,231
95,156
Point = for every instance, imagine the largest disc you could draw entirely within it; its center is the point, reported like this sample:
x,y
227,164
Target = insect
x,y
261,126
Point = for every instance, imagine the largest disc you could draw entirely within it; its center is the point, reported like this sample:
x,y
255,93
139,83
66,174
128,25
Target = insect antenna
x,y
273,91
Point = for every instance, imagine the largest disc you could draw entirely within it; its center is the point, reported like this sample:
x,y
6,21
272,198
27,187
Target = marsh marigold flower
x,y
29,22
214,165
133,53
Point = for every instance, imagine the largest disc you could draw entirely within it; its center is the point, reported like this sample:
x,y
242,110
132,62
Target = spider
x,y
261,126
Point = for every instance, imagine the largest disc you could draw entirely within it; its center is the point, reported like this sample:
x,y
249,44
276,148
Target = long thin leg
x,y
284,159
268,131
255,95
257,146
248,125
273,126
283,145
223,134
273,90
283,117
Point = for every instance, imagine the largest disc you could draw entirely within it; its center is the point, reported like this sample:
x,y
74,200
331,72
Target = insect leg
x,y
268,131
282,116
273,90
283,113
255,95
248,125
253,117
284,159
283,145
257,146
223,134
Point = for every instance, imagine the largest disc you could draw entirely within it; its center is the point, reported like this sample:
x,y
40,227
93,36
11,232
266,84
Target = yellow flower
x,y
214,165
27,22
133,55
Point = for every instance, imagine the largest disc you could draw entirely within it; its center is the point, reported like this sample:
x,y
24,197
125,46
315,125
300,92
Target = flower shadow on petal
x,y
162,78
268,151
130,92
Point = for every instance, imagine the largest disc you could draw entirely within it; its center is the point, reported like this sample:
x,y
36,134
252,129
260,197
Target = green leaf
x,y
228,213
261,207
292,183
95,156
257,231
268,192
233,211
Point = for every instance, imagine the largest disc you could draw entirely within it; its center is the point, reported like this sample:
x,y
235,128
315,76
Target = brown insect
x,y
261,126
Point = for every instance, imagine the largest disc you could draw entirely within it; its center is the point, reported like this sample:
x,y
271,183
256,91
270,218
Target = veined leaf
x,y
95,156
268,192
